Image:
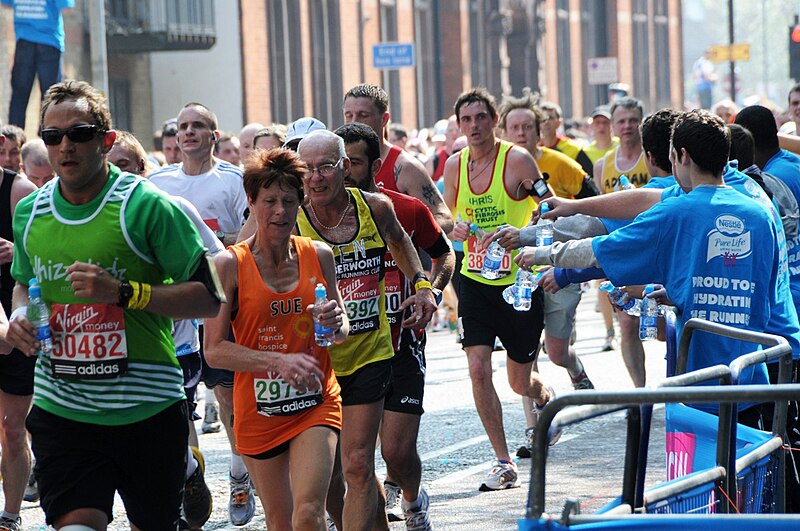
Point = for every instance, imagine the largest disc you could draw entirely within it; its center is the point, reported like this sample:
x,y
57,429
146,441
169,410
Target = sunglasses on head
x,y
77,133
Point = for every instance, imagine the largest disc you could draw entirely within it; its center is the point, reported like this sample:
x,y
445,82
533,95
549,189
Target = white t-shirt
x,y
217,194
184,332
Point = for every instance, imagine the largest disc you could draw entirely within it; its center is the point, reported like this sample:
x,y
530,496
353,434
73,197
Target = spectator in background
x,y
704,79
169,142
270,137
35,163
725,109
792,127
10,150
39,28
227,149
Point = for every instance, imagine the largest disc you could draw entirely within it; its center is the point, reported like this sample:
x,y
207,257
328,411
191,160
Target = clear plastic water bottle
x,y
510,293
623,184
621,299
39,316
544,228
527,282
323,335
648,316
494,255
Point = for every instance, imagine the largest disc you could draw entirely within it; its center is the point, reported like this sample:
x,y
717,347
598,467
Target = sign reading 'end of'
x,y
391,55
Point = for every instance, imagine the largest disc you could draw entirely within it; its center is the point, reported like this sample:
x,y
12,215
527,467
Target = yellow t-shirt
x,y
564,175
637,175
594,153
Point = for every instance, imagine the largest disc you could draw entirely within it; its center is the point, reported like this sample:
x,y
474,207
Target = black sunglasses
x,y
77,133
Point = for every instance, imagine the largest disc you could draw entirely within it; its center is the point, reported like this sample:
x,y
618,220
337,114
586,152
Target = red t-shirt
x,y
385,176
417,220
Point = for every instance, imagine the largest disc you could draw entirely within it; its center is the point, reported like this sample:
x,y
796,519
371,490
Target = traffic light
x,y
794,51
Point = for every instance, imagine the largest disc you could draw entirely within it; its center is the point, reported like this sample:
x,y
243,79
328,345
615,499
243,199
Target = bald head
x,y
323,139
246,139
35,162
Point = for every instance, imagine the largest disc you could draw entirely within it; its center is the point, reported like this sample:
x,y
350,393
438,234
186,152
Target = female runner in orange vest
x,y
287,410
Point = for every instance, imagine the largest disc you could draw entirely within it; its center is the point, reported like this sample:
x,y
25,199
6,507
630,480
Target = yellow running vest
x,y
359,276
638,175
488,210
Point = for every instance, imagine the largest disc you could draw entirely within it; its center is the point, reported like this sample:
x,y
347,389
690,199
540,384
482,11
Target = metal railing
x,y
153,25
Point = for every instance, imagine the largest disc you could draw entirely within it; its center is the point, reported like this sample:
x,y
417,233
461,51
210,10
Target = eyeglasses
x,y
77,133
326,170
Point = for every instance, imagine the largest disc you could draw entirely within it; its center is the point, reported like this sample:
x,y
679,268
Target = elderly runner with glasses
x,y
359,226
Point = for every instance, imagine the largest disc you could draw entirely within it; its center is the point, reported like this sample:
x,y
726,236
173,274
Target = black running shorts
x,y
16,373
80,465
366,385
485,315
408,379
191,365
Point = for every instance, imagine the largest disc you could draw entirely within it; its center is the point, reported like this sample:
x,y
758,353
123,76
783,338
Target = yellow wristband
x,y
422,284
141,295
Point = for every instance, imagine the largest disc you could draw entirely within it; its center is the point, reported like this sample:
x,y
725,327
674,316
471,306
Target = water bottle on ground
x,y
494,255
619,298
323,335
649,316
544,228
623,184
39,316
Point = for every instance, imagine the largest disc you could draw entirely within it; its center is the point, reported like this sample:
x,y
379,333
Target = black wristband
x,y
418,277
125,294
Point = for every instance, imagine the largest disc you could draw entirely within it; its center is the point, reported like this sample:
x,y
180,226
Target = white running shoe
x,y
393,493
503,475
417,518
242,505
211,423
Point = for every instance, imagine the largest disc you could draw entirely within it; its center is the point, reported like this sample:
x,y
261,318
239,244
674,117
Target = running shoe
x,y
524,451
211,423
242,505
31,490
582,382
609,344
503,475
417,518
537,409
329,522
10,524
197,502
392,501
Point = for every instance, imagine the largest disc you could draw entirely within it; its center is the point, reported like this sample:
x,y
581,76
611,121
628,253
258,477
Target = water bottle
x,y
493,258
527,282
323,335
625,302
544,228
39,316
623,184
648,316
510,293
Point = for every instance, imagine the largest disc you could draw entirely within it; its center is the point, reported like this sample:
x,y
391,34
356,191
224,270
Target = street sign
x,y
724,53
602,70
392,55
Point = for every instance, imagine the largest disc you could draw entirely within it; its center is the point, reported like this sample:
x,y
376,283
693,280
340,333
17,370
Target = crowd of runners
x,y
203,260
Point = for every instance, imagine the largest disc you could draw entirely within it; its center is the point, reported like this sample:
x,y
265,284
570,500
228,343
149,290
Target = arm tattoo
x,y
429,194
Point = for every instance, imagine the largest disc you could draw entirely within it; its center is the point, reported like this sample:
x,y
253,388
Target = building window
x,y
391,78
661,28
564,54
594,28
286,78
425,49
641,49
119,101
326,51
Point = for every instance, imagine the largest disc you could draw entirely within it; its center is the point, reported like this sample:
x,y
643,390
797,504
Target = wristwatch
x,y
125,293
437,294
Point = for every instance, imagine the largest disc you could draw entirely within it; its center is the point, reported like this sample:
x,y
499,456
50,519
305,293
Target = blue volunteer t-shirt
x,y
786,167
655,182
40,21
716,252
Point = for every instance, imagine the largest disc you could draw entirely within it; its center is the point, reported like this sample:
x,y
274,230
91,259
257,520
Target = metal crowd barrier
x,y
760,472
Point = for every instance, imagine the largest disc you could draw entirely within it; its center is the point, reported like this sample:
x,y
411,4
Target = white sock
x,y
406,505
211,398
191,463
238,470
10,516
